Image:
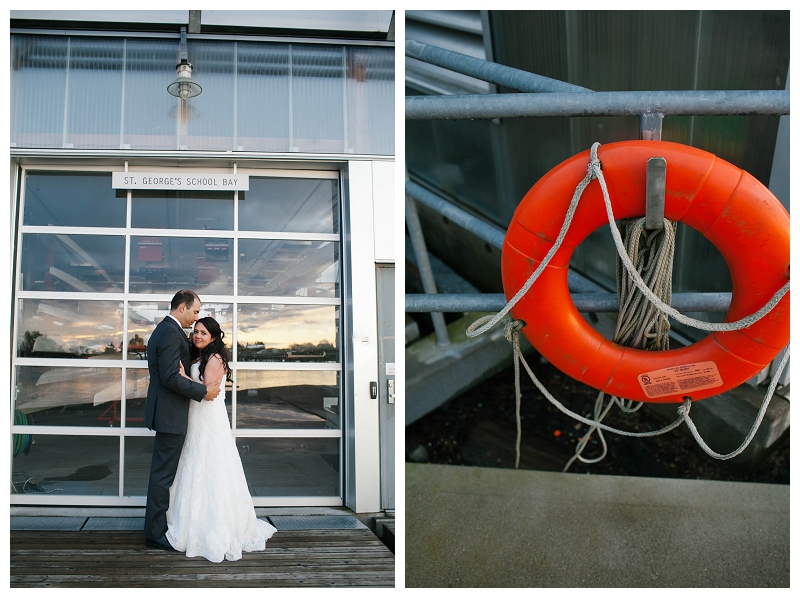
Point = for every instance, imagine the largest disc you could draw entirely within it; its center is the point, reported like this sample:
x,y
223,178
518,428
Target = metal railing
x,y
542,96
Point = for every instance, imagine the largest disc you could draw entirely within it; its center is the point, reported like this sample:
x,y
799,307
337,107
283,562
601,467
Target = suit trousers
x,y
166,455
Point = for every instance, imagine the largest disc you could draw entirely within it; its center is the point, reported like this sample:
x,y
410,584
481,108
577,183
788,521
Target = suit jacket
x,y
168,393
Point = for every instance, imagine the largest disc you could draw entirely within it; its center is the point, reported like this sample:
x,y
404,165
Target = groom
x,y
167,410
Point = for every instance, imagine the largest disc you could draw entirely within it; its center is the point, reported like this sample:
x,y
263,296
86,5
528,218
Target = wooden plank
x,y
113,558
272,564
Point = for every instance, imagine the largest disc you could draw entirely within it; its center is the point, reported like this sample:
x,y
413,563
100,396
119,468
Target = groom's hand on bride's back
x,y
212,390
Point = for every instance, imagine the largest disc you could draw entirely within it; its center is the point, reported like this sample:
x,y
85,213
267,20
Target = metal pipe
x,y
484,70
603,103
424,265
584,302
476,226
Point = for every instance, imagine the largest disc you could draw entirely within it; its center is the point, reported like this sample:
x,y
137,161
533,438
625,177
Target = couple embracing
x,y
197,497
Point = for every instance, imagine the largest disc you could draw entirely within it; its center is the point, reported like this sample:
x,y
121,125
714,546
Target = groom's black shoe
x,y
161,543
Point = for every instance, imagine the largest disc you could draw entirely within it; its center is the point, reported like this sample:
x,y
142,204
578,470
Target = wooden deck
x,y
293,558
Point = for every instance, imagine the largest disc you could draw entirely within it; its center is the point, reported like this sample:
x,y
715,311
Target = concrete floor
x,y
480,527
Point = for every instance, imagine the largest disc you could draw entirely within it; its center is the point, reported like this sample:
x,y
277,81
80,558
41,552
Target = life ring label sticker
x,y
680,379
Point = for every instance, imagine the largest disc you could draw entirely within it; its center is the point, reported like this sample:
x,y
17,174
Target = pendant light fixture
x,y
184,87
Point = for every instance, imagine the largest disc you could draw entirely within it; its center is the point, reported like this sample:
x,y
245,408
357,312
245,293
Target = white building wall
x,y
365,462
383,216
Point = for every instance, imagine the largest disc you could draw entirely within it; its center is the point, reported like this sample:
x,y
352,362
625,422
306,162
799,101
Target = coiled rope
x,y
640,325
513,327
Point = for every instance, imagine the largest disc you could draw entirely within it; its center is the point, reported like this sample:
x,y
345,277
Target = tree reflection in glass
x,y
69,329
288,333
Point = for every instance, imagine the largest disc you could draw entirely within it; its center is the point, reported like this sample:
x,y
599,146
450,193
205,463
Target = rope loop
x,y
478,323
595,169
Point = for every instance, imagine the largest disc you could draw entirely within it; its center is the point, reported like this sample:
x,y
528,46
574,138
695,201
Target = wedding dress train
x,y
210,511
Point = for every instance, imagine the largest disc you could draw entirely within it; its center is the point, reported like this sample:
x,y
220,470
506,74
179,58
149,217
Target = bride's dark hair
x,y
216,346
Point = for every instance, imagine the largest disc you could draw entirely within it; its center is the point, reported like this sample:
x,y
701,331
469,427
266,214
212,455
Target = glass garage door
x,y
95,269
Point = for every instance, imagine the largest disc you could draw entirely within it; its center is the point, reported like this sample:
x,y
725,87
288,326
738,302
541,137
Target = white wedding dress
x,y
210,511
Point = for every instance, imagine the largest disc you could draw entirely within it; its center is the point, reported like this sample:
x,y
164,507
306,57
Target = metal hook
x,y
656,185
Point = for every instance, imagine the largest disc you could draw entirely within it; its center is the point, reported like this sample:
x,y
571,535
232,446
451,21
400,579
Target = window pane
x,y
290,466
287,399
317,74
208,122
150,112
288,333
70,329
201,210
166,264
370,100
93,94
68,465
142,320
289,268
290,205
138,456
38,79
72,199
89,263
262,72
256,96
56,396
136,383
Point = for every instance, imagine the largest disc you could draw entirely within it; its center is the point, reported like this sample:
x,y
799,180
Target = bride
x,y
210,511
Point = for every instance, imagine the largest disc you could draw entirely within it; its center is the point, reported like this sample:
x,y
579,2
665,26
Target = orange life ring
x,y
728,206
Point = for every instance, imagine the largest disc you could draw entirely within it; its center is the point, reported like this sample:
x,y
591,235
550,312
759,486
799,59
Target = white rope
x,y
683,410
512,334
576,197
761,412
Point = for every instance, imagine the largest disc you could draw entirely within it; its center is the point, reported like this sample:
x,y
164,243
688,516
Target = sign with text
x,y
189,181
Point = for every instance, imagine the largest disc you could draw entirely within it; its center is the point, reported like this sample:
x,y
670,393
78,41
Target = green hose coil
x,y
22,442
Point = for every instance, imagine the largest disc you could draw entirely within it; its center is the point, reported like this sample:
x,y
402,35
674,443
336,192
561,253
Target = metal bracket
x,y
650,126
184,55
656,185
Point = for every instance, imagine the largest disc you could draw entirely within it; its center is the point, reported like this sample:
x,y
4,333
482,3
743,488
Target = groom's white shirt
x,y
176,319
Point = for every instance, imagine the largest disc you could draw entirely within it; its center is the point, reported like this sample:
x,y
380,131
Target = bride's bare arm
x,y
215,371
211,378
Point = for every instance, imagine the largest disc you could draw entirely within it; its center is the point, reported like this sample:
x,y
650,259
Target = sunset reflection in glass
x,y
288,333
